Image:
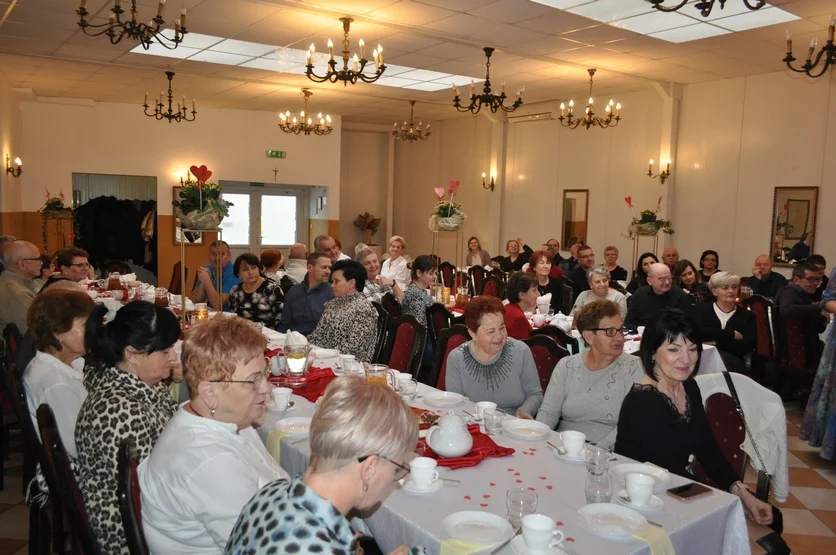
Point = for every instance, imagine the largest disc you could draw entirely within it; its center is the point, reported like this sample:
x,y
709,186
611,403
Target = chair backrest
x,y
115,265
561,337
790,340
760,305
477,274
447,270
461,279
130,505
497,260
175,286
503,277
438,318
13,339
547,353
493,286
448,340
728,430
382,321
15,393
568,295
391,304
66,484
406,340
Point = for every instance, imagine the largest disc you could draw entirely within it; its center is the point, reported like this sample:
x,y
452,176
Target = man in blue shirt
x,y
305,302
206,286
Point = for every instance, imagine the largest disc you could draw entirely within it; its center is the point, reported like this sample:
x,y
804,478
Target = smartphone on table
x,y
689,492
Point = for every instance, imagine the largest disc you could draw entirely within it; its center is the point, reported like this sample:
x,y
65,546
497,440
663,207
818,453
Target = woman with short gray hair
x,y
731,328
599,283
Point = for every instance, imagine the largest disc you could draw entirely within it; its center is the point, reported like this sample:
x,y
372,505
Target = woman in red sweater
x,y
522,296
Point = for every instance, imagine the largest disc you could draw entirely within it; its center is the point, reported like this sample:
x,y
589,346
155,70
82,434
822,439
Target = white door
x,y
264,217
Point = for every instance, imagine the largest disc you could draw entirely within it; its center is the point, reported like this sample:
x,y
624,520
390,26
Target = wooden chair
x,y
382,322
115,265
797,363
477,275
391,305
497,260
438,318
547,353
493,286
562,338
64,481
728,430
130,506
406,340
447,272
461,279
175,286
13,341
568,295
448,340
503,277
765,346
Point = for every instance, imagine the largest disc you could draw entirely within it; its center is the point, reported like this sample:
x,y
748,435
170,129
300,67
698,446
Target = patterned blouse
x,y
289,517
118,405
416,301
263,305
375,292
348,324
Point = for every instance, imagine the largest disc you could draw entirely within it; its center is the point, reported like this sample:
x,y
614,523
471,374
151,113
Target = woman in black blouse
x,y
662,419
709,263
640,274
732,328
256,298
540,264
515,259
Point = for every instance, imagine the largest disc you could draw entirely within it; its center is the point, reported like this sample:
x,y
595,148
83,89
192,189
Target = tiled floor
x,y
809,513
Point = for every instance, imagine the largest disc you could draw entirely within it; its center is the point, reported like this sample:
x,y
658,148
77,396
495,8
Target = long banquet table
x,y
713,524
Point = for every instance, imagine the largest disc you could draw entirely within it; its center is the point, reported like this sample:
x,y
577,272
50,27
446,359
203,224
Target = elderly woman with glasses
x,y
209,460
731,328
396,267
362,438
586,390
599,289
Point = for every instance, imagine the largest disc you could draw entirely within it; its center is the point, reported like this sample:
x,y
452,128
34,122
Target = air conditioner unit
x,y
536,112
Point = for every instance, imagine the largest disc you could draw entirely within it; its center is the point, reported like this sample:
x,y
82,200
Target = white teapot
x,y
450,437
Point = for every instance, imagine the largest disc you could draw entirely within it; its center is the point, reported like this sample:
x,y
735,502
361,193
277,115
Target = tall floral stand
x,y
219,260
638,231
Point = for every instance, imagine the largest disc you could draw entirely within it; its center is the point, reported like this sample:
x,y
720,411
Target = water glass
x,y
493,421
598,487
408,389
597,459
520,502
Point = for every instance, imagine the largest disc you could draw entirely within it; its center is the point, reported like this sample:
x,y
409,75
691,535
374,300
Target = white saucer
x,y
581,458
518,546
408,486
271,406
654,504
443,399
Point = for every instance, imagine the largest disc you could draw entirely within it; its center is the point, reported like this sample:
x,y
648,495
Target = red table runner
x,y
483,447
315,383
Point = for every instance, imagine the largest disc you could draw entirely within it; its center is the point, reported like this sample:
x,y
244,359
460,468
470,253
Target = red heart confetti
x,y
548,487
516,473
542,477
531,489
467,497
570,539
483,504
559,523
491,484
519,481
486,496
533,449
510,470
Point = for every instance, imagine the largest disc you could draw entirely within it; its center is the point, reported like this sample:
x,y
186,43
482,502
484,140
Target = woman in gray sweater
x,y
586,390
492,366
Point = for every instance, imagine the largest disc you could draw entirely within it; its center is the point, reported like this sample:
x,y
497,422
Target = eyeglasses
x,y
83,265
611,332
256,382
396,247
399,474
38,259
812,279
665,279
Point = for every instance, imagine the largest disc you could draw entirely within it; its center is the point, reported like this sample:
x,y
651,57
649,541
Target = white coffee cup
x,y
423,471
281,397
482,406
573,442
403,378
640,487
539,319
640,329
540,533
543,308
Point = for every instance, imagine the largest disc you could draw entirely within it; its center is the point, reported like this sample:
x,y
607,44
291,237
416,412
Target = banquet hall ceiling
x,y
43,50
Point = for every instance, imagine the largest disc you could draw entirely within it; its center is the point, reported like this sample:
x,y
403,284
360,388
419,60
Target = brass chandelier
x,y
826,56
705,6
305,124
345,74
589,119
159,113
145,33
487,98
409,131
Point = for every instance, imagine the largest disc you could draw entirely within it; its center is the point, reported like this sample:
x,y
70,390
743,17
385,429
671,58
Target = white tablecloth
x,y
709,525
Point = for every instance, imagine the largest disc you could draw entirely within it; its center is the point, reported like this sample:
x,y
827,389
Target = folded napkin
x,y
483,447
315,383
113,307
456,547
545,299
128,277
295,338
270,353
657,538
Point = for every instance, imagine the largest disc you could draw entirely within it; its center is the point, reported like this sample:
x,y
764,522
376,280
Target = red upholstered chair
x,y
547,353
568,295
176,284
406,340
448,340
728,430
438,318
798,364
560,337
477,275
447,271
764,348
58,463
497,260
493,286
461,279
382,322
503,277
13,339
391,305
130,505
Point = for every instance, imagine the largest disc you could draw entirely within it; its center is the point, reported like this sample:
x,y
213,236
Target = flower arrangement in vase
x,y
200,206
448,215
54,209
368,224
648,223
782,224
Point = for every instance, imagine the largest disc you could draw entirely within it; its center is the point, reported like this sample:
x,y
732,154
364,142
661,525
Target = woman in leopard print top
x,y
133,354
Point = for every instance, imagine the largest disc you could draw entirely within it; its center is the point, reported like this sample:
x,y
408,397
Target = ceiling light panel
x,y
232,46
220,58
755,19
562,4
427,87
653,22
691,32
611,10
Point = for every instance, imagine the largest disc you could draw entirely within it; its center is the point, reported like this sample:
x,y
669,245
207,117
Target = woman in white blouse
x,y
55,376
396,266
209,460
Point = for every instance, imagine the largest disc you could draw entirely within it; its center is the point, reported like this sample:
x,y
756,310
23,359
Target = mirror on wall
x,y
575,217
793,224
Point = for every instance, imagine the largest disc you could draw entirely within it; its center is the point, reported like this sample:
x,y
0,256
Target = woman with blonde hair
x,y
730,327
396,267
209,460
362,437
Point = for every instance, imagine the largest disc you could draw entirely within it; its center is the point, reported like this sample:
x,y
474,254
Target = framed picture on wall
x,y
192,238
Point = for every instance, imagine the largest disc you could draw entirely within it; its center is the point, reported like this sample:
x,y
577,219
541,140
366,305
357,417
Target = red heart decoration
x,y
570,539
510,470
549,487
559,523
533,449
492,484
542,477
486,496
483,504
467,497
202,173
531,489
519,481
516,473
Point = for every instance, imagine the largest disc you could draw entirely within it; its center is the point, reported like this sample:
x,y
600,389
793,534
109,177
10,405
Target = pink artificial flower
x,y
629,201
439,191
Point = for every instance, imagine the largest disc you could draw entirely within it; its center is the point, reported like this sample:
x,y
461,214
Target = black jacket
x,y
769,286
644,304
508,266
742,321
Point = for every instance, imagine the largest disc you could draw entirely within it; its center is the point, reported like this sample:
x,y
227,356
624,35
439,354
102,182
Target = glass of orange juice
x,y
380,374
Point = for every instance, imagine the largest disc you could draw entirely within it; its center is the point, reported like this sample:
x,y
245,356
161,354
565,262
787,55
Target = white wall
x,y
11,144
364,184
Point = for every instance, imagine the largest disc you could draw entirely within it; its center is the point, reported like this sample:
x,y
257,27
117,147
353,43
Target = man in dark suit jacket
x,y
586,260
569,264
763,280
658,294
821,264
554,244
796,301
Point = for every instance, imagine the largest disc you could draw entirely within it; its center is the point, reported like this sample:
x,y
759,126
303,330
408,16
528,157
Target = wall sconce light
x,y
662,176
488,185
14,171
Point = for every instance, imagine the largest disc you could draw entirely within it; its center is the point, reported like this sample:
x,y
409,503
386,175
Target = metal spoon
x,y
499,547
561,450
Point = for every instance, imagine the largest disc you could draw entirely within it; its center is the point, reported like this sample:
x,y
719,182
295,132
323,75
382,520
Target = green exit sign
x,y
276,154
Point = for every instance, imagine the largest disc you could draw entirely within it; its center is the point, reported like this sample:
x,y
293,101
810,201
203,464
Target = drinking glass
x,y
380,373
296,364
408,389
597,459
598,487
201,311
114,281
161,297
520,502
493,421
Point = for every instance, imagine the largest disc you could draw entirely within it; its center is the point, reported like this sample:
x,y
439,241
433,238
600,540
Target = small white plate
x,y
655,503
662,476
581,458
614,521
477,527
296,427
443,399
409,487
518,546
528,430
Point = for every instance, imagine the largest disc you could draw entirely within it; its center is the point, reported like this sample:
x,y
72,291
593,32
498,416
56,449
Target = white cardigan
x,y
767,421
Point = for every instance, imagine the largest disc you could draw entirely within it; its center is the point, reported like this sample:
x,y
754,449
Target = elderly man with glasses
x,y
23,264
658,294
73,265
795,301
